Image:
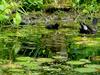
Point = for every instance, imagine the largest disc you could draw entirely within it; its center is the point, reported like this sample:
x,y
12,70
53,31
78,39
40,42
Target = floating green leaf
x,y
16,70
24,59
93,66
85,60
75,62
43,60
85,70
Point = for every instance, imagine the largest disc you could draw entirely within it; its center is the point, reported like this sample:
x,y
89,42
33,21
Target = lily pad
x,y
92,66
51,69
60,57
75,62
24,59
43,60
16,70
85,70
33,66
85,60
30,65
21,63
36,73
13,66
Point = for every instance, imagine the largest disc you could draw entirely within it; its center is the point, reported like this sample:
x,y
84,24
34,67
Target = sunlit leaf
x,y
16,70
85,60
23,59
43,60
77,1
85,70
2,7
85,11
17,19
16,47
93,66
4,2
75,62
3,17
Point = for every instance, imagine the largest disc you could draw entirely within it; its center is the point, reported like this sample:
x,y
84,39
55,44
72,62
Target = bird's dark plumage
x,y
53,26
85,29
94,21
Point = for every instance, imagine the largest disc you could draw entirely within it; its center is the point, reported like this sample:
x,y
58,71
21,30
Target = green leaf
x,y
43,60
75,62
92,66
24,59
85,11
3,17
2,7
85,70
16,47
85,60
17,19
5,3
77,1
16,70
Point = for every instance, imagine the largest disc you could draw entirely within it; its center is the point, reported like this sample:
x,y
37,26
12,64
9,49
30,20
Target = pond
x,y
66,51
49,37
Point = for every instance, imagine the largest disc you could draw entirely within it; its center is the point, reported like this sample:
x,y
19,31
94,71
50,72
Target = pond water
x,y
60,46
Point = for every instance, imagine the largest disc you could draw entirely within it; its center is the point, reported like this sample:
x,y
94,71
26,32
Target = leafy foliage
x,y
87,7
6,10
17,19
36,41
30,5
85,70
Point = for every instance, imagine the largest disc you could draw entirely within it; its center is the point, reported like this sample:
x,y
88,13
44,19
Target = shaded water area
x,y
67,49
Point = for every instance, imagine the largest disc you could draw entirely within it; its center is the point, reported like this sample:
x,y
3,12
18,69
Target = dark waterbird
x,y
53,26
94,21
86,29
